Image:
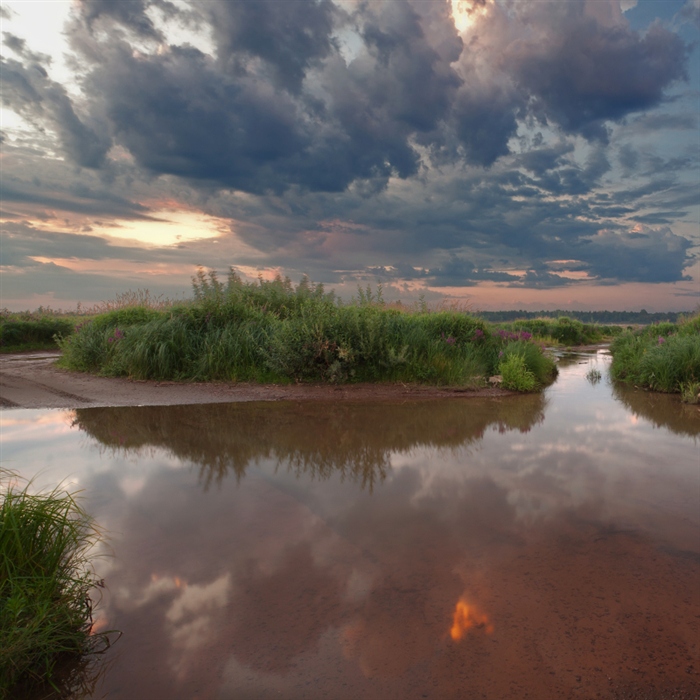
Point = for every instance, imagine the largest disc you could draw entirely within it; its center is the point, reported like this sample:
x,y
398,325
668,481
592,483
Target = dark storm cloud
x,y
77,197
583,73
30,92
130,14
457,271
542,160
21,243
19,46
421,148
289,37
280,105
648,256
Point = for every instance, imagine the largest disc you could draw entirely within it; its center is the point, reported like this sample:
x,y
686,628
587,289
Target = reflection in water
x,y
466,616
352,439
557,557
663,410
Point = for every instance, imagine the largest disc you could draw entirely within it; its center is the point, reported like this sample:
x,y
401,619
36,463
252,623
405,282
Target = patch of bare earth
x,y
32,380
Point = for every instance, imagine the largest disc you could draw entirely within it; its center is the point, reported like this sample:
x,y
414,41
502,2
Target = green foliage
x,y
606,318
275,331
45,581
515,374
526,367
690,392
564,330
20,333
663,357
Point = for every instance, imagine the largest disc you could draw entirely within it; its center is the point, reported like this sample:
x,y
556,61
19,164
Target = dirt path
x,y
32,380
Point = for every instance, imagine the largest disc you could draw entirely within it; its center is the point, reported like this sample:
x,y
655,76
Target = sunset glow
x,y
168,227
466,12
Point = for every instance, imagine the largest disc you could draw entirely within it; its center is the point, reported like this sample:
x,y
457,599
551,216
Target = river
x,y
535,546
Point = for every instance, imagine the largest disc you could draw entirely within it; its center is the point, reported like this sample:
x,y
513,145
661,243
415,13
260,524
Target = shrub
x,y
662,357
516,375
16,332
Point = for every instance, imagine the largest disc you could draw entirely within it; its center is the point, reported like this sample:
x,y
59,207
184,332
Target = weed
x,y
690,392
662,357
516,375
594,376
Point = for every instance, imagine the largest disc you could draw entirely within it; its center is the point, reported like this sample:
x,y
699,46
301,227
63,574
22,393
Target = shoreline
x,y
31,380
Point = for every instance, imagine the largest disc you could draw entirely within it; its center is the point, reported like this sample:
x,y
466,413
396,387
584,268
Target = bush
x,y
516,375
40,332
663,357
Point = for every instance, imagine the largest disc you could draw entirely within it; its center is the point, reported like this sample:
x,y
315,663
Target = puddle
x,y
543,546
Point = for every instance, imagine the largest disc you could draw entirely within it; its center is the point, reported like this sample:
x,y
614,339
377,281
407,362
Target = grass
x,y
594,376
663,357
27,331
45,584
563,330
276,332
44,328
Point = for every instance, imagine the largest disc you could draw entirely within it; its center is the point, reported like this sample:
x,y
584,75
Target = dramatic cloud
x,y
432,144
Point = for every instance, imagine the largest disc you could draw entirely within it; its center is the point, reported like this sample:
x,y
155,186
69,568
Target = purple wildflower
x,y
118,335
662,340
478,333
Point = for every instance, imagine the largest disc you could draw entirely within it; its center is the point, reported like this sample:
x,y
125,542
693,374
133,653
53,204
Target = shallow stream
x,y
538,546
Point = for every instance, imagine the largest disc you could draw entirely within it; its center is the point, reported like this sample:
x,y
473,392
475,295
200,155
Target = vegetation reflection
x,y
318,440
663,410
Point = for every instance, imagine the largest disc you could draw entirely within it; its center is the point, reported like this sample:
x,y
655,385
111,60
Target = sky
x,y
494,154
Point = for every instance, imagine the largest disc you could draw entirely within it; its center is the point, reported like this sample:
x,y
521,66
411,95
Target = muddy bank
x,y
32,380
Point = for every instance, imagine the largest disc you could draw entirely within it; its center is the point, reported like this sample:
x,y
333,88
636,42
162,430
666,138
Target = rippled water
x,y
533,546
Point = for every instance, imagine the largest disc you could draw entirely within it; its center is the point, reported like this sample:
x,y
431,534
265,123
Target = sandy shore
x,y
32,380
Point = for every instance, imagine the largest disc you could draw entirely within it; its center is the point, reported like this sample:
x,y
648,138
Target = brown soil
x,y
32,380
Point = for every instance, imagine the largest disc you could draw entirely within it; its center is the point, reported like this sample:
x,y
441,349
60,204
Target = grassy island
x,y
662,357
273,331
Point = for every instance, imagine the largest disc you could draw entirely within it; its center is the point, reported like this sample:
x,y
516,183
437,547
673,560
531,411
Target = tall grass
x,y
27,331
274,331
663,357
564,330
45,584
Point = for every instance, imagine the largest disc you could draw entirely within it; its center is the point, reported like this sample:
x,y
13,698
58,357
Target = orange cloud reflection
x,y
467,616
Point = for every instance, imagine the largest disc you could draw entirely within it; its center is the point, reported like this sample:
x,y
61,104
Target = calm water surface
x,y
524,547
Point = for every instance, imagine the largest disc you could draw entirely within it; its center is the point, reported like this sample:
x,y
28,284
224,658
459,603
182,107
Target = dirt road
x,y
32,380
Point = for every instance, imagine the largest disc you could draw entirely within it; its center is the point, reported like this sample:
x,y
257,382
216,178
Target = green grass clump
x,y
24,332
45,581
516,375
272,331
663,357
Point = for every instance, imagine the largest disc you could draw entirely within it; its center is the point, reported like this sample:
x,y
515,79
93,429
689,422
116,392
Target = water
x,y
532,546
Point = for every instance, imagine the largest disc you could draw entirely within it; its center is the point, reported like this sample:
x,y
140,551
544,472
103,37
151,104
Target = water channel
x,y
536,546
